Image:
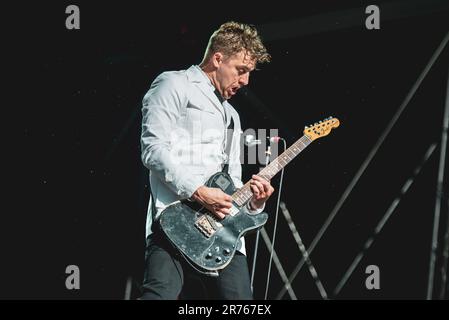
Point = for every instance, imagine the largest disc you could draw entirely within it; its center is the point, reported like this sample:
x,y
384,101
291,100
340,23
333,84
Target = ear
x,y
217,59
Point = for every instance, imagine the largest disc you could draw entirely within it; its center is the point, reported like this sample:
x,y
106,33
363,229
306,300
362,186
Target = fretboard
x,y
244,194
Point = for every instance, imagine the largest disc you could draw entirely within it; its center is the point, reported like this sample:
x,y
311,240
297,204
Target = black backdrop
x,y
79,188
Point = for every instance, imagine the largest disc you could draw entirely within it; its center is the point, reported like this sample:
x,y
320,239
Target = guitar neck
x,y
244,194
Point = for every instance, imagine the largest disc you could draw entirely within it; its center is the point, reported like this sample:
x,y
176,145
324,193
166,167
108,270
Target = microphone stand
x,y
275,224
256,245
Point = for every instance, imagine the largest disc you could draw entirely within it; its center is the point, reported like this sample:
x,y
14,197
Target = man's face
x,y
233,73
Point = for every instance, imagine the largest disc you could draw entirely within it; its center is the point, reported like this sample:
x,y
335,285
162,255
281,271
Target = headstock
x,y
321,129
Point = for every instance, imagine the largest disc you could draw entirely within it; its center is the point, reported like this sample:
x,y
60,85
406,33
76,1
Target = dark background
x,y
79,189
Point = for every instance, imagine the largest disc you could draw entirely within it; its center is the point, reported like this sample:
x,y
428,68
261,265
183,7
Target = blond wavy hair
x,y
233,37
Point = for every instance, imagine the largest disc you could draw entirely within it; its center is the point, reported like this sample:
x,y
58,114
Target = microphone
x,y
275,139
250,140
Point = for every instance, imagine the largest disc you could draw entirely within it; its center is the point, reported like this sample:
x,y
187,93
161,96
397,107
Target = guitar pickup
x,y
207,225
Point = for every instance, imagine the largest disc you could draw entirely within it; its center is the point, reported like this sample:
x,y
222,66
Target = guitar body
x,y
206,242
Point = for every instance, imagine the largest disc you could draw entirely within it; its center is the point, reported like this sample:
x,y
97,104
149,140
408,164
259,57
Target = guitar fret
x,y
239,199
290,154
297,150
277,166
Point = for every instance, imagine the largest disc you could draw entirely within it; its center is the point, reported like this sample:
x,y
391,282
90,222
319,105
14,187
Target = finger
x,y
264,185
260,186
259,178
263,181
227,197
225,201
226,205
268,188
224,211
215,210
220,215
255,190
222,194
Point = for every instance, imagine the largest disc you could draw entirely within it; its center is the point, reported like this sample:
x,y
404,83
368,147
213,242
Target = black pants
x,y
167,276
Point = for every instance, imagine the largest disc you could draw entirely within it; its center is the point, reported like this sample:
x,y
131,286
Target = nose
x,y
244,79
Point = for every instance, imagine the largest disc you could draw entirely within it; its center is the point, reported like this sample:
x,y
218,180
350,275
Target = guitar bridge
x,y
207,225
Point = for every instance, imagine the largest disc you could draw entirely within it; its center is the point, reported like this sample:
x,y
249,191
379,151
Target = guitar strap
x,y
153,211
229,136
229,133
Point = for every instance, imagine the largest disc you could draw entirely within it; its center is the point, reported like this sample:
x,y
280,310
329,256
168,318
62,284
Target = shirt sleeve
x,y
161,109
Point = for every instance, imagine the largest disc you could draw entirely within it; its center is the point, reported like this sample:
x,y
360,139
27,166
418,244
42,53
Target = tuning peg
x,y
320,121
306,127
330,117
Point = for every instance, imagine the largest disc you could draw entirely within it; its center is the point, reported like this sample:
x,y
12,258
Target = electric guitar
x,y
207,243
